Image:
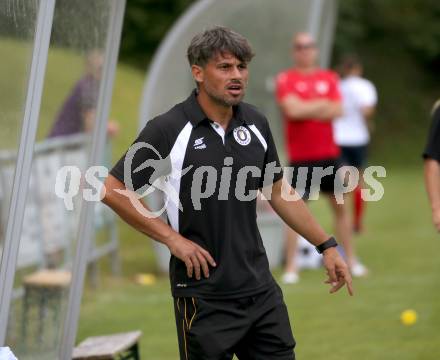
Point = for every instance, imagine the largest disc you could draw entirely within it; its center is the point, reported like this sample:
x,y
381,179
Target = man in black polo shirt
x,y
432,166
210,155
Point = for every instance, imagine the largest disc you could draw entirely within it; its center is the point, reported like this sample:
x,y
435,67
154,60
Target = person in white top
x,y
359,101
351,130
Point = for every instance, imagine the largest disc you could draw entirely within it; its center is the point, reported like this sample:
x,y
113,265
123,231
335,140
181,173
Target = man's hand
x,y
194,256
337,271
112,128
436,218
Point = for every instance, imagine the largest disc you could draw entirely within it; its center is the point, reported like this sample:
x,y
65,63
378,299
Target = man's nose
x,y
236,73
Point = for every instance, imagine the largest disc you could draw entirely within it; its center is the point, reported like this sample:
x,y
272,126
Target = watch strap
x,y
331,242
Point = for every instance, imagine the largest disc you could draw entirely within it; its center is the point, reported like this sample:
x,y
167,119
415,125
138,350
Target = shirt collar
x,y
196,115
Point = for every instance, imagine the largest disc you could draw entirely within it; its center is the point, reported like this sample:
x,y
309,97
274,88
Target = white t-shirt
x,y
351,129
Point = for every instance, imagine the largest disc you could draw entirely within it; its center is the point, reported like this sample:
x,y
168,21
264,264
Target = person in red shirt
x,y
309,99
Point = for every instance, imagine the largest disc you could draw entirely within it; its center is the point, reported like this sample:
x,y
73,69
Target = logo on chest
x,y
301,86
322,87
199,144
242,135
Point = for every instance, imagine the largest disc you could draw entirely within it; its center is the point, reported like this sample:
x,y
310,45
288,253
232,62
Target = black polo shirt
x,y
432,149
220,221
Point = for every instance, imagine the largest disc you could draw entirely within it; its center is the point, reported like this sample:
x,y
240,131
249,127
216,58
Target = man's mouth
x,y
235,89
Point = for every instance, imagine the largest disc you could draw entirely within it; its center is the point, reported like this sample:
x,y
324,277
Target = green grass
x,y
399,246
63,69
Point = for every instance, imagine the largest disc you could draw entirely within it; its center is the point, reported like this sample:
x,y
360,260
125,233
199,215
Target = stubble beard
x,y
224,100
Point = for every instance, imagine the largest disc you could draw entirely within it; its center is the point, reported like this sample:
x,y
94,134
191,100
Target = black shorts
x,y
305,183
253,328
354,155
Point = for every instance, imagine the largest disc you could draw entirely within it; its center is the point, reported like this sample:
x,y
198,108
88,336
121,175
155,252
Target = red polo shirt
x,y
309,139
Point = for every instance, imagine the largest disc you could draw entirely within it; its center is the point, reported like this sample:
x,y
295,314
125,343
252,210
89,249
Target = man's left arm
x,y
334,98
432,183
298,217
333,110
432,167
296,214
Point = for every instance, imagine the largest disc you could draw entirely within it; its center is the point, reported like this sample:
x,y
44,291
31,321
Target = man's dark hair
x,y
218,40
348,62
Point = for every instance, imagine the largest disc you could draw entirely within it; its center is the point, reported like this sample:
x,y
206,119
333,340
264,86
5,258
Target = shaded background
x,y
398,40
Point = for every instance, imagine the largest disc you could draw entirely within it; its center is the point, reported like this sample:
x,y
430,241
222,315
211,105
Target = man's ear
x,y
197,73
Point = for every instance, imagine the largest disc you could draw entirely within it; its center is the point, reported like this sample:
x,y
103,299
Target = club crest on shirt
x,y
322,87
242,135
301,86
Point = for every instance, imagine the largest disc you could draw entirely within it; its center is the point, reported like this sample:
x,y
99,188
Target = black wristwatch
x,y
326,245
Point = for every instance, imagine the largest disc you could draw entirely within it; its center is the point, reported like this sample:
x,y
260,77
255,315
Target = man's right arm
x,y
126,205
297,109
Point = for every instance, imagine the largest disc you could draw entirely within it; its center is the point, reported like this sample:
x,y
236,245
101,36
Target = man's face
x,y
305,52
224,79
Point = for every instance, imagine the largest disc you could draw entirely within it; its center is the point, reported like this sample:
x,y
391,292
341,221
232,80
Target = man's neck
x,y
306,69
354,74
351,76
214,111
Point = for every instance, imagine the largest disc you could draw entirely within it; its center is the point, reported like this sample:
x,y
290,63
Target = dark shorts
x,y
253,328
354,155
305,182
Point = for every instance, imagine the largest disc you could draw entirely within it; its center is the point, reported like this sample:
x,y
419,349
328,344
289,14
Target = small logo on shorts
x,y
179,285
242,135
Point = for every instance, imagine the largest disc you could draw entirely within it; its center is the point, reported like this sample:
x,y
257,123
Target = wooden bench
x,y
46,289
121,346
48,236
46,240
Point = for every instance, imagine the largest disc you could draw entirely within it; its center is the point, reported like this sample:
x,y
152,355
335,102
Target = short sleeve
x,y
146,160
271,161
334,92
367,95
281,87
432,149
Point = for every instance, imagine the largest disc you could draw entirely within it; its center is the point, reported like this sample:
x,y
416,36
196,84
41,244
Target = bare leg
x,y
343,229
291,250
291,247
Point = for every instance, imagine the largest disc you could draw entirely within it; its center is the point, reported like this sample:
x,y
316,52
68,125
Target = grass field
x,y
399,246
